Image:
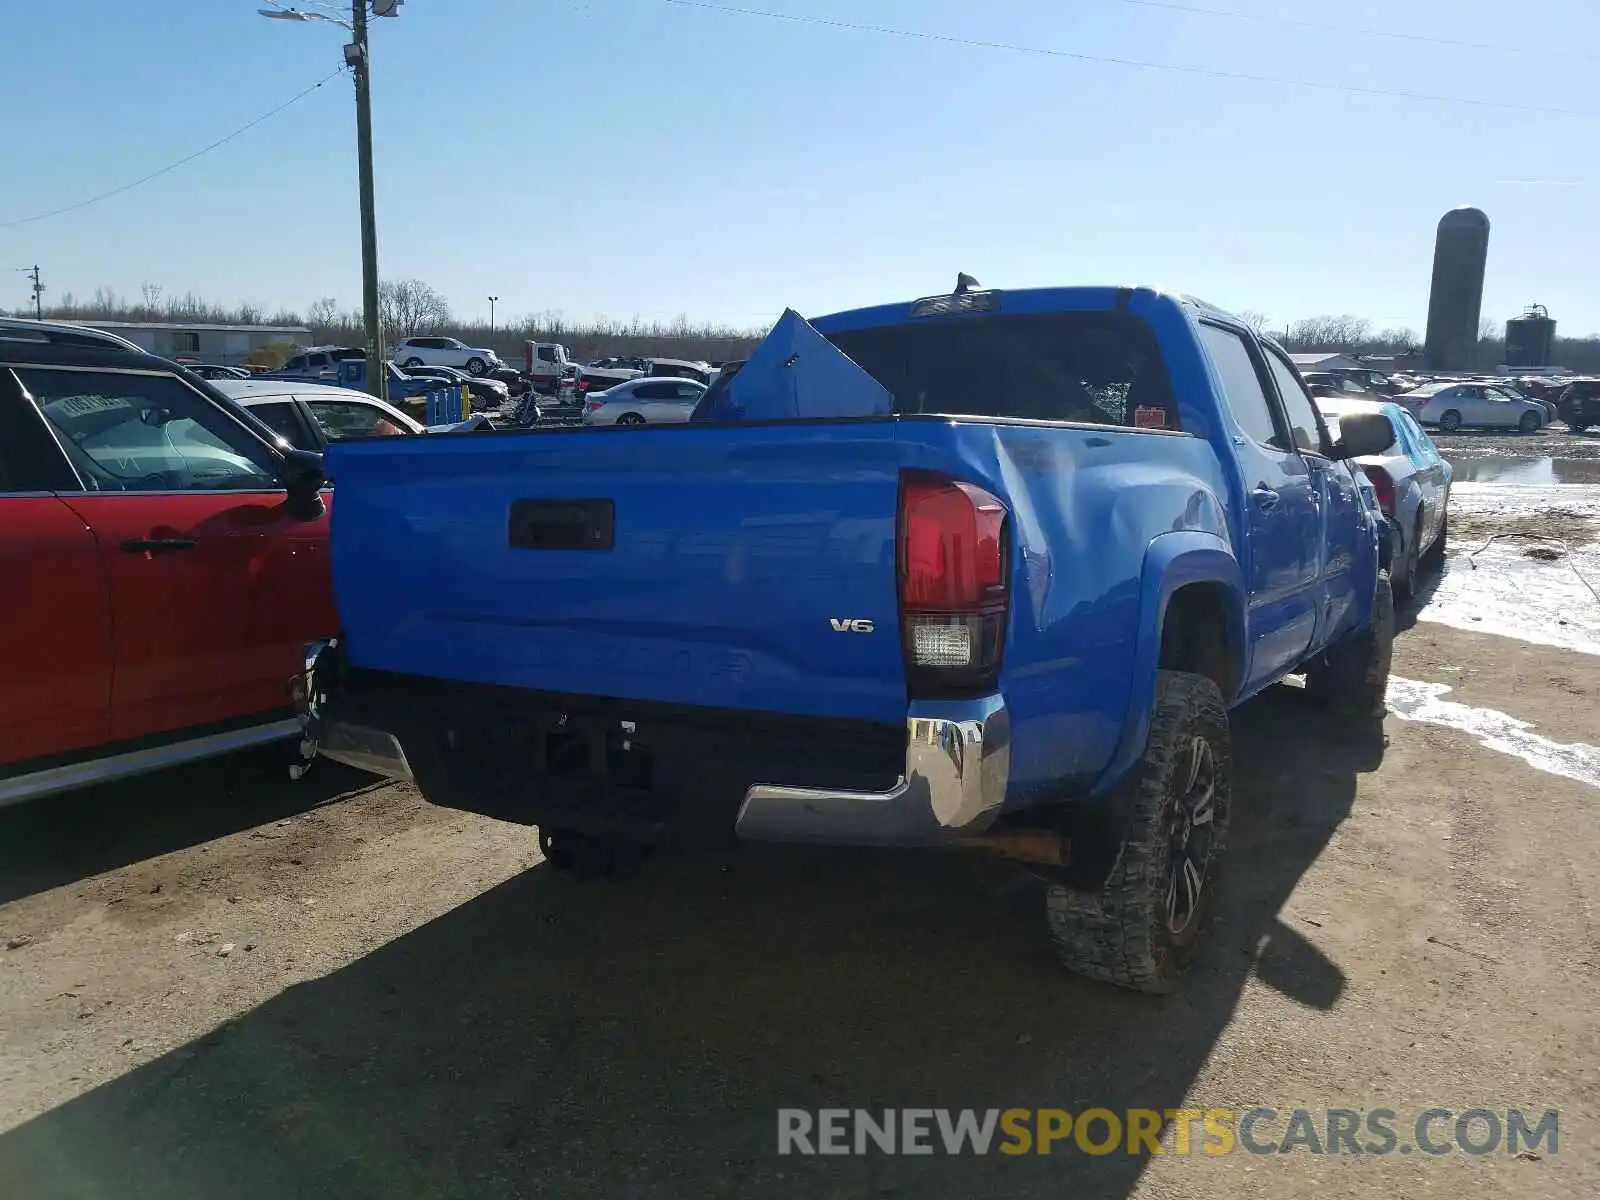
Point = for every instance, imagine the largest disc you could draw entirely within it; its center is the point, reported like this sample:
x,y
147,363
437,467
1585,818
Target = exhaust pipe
x,y
1038,846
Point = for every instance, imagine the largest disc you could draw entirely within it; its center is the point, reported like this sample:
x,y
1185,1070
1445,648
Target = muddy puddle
x,y
1524,554
1541,471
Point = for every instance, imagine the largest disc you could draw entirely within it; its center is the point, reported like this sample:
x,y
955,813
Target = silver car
x,y
644,402
1411,483
1453,406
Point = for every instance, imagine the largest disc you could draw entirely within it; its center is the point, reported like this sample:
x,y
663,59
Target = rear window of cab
x,y
1089,368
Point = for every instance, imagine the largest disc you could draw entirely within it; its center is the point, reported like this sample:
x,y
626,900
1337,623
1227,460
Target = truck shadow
x,y
637,1039
57,840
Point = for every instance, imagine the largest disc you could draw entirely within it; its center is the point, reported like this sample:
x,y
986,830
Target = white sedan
x,y
644,402
308,416
1453,406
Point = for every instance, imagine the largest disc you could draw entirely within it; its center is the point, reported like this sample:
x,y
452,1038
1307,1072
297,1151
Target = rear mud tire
x,y
1140,931
1408,571
1435,553
1352,678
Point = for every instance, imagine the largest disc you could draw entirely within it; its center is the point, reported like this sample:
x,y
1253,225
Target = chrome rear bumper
x,y
952,785
958,757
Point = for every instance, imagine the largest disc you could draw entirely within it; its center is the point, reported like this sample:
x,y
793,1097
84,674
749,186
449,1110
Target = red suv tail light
x,y
1384,486
954,584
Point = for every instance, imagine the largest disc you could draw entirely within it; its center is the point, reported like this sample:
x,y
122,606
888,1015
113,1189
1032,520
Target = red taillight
x,y
585,384
953,583
593,405
1384,486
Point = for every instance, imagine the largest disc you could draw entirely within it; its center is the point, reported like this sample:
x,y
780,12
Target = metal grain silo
x,y
1530,338
1456,299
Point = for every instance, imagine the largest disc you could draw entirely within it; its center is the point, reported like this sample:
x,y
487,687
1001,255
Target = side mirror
x,y
1361,434
303,478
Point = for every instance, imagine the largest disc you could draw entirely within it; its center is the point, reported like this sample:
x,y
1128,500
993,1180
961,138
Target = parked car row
x,y
1527,403
1456,406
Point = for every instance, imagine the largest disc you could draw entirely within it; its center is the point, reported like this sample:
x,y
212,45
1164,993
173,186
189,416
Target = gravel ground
x,y
220,984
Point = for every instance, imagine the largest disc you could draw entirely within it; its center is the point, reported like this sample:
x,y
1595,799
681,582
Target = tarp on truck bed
x,y
797,373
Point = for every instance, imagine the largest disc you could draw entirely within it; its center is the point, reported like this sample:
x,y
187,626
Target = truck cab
x,y
546,364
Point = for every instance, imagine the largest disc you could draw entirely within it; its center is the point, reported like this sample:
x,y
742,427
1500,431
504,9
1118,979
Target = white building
x,y
228,345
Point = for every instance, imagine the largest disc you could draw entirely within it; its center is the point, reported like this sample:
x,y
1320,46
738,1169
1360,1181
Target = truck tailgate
x,y
732,567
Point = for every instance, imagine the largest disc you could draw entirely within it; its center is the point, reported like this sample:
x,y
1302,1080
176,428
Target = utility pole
x,y
492,301
38,290
358,55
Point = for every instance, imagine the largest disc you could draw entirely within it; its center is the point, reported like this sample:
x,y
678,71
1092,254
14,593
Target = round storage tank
x,y
1455,302
1530,338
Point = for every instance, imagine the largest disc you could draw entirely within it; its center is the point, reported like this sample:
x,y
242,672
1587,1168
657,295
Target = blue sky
x,y
626,157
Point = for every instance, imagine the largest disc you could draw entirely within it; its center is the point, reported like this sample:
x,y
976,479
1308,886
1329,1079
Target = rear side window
x,y
1419,438
279,416
30,460
342,420
1241,385
1297,405
1094,368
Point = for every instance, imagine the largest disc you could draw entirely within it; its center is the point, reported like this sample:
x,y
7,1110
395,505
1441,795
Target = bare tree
x,y
1327,333
152,295
324,314
1488,329
410,306
1256,320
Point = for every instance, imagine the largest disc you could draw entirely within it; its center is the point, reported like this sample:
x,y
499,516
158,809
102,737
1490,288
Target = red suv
x,y
164,558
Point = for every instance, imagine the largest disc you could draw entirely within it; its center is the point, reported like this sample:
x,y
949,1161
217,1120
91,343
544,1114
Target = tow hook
x,y
307,753
309,695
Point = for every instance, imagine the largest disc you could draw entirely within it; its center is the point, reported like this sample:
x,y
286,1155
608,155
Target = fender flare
x,y
1172,560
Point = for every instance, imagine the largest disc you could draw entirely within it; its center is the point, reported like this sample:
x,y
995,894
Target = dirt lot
x,y
223,985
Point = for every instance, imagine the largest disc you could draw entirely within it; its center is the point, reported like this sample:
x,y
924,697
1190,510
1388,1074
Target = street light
x,y
492,302
357,56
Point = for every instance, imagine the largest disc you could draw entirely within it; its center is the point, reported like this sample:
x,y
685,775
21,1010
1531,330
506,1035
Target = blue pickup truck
x,y
986,569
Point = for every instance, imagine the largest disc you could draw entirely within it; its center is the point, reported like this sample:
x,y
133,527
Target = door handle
x,y
156,545
1266,498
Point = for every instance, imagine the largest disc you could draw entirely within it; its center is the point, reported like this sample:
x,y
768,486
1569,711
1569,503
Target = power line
x,y
1078,56
1329,27
172,166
